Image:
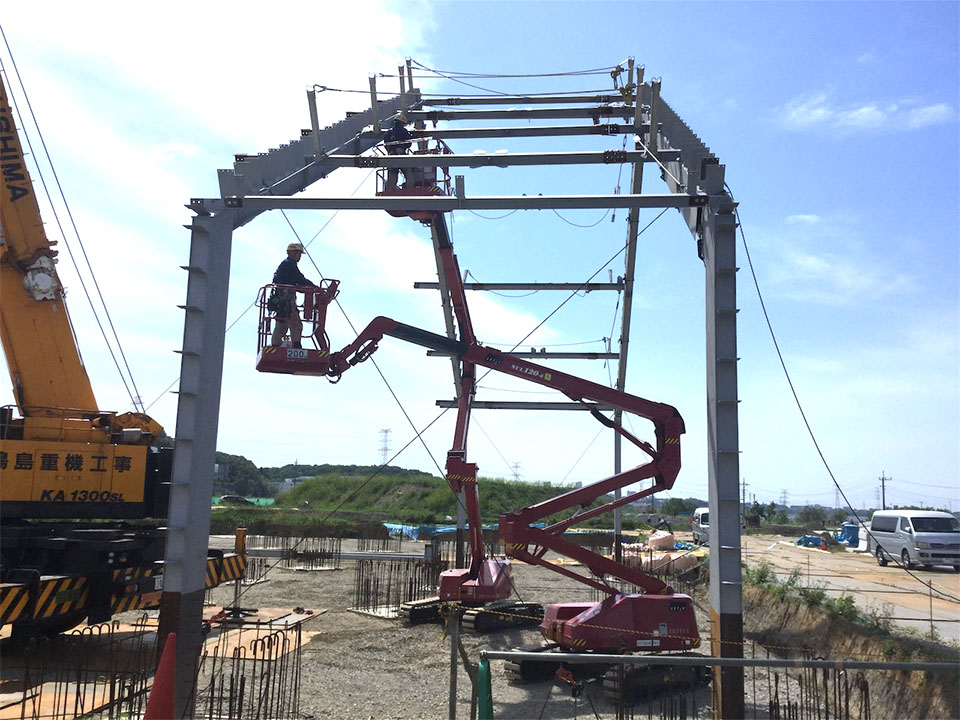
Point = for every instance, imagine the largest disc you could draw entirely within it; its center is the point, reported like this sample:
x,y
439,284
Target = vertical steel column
x,y
201,370
726,607
630,264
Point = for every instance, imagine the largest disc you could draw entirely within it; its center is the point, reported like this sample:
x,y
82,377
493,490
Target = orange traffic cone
x,y
160,703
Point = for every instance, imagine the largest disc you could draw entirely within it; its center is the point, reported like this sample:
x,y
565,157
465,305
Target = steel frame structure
x,y
269,181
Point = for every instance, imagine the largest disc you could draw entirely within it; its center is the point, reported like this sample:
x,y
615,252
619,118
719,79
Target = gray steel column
x,y
201,369
726,608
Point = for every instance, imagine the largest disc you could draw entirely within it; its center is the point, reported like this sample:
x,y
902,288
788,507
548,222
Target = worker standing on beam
x,y
283,301
397,142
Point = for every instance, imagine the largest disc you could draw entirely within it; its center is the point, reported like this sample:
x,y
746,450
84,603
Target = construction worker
x,y
397,142
283,302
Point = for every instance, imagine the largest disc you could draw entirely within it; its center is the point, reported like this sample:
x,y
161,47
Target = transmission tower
x,y
384,445
783,497
516,471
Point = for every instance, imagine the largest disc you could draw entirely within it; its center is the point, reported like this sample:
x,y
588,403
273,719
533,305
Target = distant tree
x,y
163,440
812,515
753,514
838,517
676,507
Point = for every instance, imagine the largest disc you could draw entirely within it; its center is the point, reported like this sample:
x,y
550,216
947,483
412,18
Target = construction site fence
x,y
774,687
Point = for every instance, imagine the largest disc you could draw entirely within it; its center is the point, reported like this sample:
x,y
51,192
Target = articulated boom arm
x,y
516,529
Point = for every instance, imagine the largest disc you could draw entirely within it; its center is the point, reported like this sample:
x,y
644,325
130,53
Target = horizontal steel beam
x,y
525,100
507,405
488,159
548,355
575,113
537,131
586,287
445,203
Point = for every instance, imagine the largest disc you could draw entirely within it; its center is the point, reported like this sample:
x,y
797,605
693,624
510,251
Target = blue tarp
x,y
849,534
809,541
409,531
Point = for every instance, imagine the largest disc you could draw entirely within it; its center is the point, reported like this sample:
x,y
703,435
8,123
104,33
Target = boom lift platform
x,y
418,181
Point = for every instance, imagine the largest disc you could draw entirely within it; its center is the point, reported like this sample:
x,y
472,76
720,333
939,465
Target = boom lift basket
x,y
417,181
285,358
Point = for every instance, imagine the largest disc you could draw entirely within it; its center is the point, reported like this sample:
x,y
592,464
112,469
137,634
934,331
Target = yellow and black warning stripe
x,y
234,567
60,595
213,571
13,601
137,602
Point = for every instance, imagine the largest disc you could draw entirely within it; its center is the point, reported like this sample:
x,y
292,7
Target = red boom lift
x,y
655,620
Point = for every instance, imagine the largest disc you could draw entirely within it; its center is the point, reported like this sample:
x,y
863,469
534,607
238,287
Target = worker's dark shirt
x,y
289,274
394,139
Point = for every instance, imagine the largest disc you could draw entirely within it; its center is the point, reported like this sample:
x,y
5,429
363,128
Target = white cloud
x,y
930,115
819,110
809,219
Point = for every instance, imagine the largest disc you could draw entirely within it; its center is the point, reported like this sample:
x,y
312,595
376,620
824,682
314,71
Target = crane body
x,y
66,466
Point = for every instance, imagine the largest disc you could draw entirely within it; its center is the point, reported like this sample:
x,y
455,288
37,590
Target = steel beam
x,y
506,405
586,287
445,203
601,111
521,131
547,355
525,100
609,157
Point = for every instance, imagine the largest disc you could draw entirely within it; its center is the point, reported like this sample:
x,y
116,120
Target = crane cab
x,y
417,181
281,346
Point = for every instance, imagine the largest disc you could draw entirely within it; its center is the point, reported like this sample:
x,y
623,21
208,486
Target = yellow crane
x,y
65,465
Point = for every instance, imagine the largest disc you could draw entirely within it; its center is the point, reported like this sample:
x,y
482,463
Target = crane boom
x,y
45,367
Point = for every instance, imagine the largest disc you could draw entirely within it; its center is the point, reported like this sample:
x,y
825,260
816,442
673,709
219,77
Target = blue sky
x,y
837,124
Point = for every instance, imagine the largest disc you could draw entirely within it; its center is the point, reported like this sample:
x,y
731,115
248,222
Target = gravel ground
x,y
359,666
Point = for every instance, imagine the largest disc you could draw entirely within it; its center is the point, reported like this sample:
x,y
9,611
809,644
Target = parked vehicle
x,y
915,537
700,525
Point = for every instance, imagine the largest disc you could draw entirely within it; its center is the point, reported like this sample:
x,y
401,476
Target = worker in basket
x,y
283,301
397,142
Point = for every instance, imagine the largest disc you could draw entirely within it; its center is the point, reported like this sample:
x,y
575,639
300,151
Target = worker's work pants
x,y
291,323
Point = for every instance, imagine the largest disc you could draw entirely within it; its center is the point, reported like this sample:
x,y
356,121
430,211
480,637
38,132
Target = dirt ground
x,y
357,666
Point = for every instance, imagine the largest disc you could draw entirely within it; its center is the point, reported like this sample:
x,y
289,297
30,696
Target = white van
x,y
915,537
700,525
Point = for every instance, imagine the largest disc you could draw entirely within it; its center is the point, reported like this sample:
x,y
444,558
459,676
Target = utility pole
x,y
743,493
384,445
883,490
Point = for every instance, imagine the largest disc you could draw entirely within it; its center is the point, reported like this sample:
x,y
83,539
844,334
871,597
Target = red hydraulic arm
x,y
522,541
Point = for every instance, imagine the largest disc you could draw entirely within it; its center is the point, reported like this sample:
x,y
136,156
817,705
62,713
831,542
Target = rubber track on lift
x,y
628,684
419,612
503,615
528,671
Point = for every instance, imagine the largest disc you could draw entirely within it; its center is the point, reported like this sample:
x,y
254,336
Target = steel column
x,y
201,369
726,606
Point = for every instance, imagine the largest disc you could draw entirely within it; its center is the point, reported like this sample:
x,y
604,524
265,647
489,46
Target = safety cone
x,y
160,703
